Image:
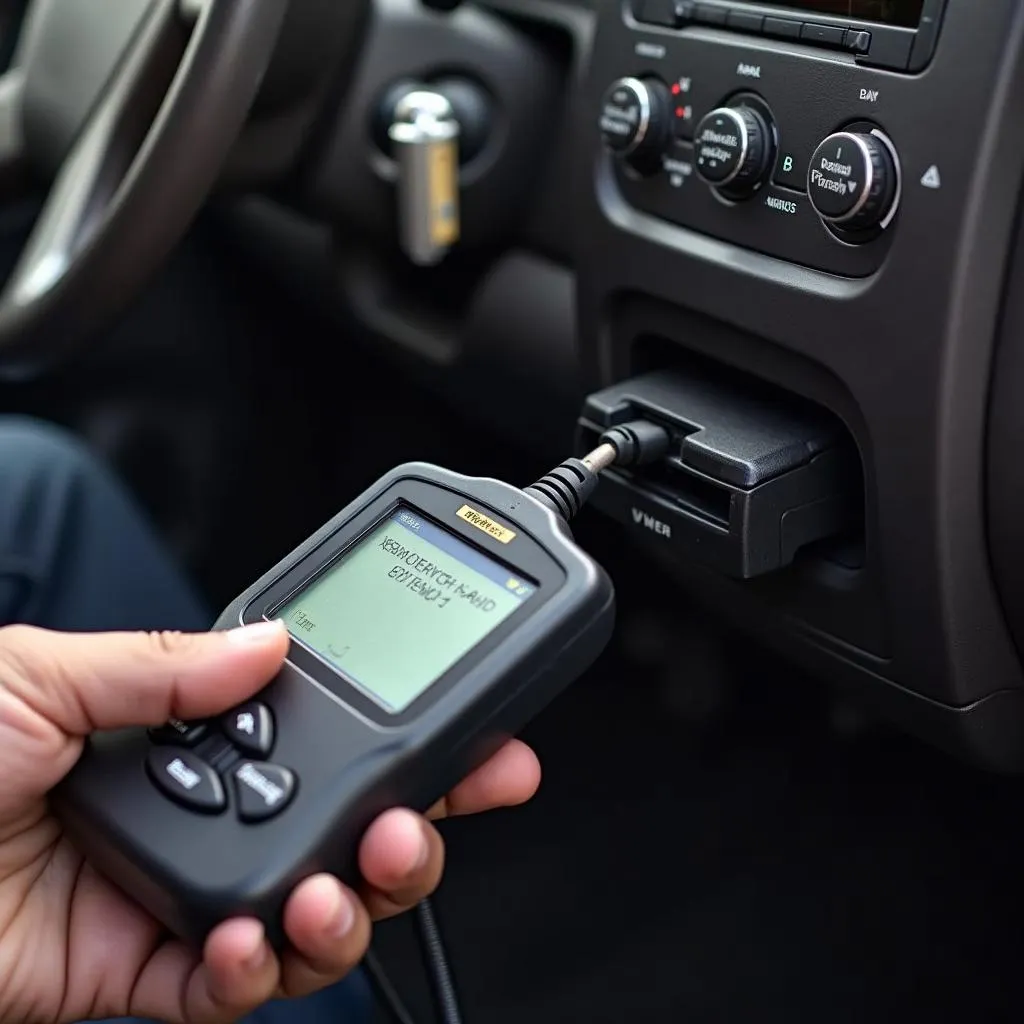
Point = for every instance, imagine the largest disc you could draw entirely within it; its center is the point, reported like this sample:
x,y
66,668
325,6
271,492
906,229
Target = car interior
x,y
258,252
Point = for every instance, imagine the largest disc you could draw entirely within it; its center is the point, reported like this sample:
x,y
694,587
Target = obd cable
x,y
565,490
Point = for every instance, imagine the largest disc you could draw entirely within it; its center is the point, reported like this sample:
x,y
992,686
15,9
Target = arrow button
x,y
250,727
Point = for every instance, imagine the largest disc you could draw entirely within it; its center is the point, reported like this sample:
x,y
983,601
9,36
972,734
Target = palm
x,y
73,947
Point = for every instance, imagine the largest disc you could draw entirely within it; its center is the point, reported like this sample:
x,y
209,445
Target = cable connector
x,y
566,489
638,443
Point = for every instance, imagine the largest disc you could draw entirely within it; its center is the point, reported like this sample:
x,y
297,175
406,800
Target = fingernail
x,y
255,960
424,854
343,917
257,633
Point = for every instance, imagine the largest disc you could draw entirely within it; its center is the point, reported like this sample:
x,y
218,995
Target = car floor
x,y
716,841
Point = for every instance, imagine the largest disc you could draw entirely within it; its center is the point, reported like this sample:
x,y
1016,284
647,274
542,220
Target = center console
x,y
817,201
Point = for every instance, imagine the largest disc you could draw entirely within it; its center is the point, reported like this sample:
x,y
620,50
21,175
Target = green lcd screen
x,y
402,607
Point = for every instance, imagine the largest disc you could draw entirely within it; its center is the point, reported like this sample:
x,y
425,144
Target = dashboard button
x,y
685,10
782,28
857,40
656,12
744,21
707,15
823,35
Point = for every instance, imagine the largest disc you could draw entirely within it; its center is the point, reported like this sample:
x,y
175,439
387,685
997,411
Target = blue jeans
x,y
76,555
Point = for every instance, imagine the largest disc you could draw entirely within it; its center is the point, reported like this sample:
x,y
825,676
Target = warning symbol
x,y
932,178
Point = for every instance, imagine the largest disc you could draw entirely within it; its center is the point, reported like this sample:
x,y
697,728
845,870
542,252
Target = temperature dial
x,y
853,181
636,122
734,150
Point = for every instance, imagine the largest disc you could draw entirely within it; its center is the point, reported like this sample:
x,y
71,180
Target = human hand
x,y
72,946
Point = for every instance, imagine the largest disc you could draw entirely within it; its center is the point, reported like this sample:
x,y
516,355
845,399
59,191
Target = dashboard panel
x,y
806,208
892,328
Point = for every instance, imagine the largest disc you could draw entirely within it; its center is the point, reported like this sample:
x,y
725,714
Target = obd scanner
x,y
430,620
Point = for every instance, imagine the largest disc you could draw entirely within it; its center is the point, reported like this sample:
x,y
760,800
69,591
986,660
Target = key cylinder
x,y
424,136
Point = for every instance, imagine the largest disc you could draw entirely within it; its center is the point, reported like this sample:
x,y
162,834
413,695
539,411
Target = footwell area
x,y
750,864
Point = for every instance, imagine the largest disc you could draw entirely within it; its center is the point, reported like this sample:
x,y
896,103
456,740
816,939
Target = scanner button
x,y
187,779
179,733
263,790
251,728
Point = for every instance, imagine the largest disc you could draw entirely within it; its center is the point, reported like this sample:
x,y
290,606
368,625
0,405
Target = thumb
x,y
81,682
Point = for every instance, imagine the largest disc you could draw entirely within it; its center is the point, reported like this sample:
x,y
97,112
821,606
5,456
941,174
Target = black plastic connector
x,y
638,443
565,490
740,479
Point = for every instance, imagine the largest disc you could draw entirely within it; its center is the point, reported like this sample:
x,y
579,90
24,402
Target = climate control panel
x,y
786,154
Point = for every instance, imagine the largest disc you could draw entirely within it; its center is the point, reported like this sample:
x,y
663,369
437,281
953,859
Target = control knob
x,y
636,122
853,181
734,150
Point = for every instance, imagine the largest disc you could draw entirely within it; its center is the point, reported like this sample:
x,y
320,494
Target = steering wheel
x,y
178,81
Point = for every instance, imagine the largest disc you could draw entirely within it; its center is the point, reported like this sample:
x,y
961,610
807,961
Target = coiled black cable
x,y
435,959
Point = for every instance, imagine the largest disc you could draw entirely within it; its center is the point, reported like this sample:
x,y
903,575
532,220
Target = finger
x,y
83,682
237,973
401,859
329,931
508,779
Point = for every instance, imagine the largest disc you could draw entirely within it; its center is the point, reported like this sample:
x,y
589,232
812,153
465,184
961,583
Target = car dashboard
x,y
819,226
789,233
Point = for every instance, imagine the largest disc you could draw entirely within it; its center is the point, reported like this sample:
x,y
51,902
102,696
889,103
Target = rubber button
x,y
685,11
710,15
823,35
250,728
743,21
858,40
782,28
656,12
187,779
179,733
263,790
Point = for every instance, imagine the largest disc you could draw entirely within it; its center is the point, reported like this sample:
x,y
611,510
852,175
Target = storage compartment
x,y
753,475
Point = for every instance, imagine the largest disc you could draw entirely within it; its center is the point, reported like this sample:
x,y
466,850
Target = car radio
x,y
895,34
737,122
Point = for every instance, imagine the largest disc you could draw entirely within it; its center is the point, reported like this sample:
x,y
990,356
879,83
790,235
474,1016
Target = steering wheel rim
x,y
138,172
